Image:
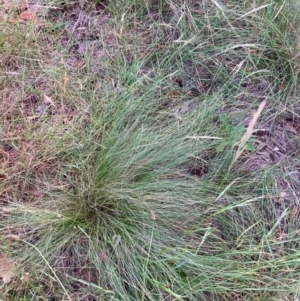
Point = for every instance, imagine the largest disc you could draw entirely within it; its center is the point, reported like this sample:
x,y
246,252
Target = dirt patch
x,y
87,33
277,152
276,143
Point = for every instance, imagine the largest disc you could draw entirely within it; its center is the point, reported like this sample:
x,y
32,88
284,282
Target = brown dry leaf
x,y
27,15
25,278
14,237
48,100
103,256
153,217
7,268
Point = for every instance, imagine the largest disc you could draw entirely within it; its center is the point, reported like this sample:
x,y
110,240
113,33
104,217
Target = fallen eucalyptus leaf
x,y
7,268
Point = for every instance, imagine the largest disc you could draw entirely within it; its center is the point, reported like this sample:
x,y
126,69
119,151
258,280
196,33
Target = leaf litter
x,y
7,268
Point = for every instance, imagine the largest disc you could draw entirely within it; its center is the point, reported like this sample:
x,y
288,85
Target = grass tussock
x,y
149,150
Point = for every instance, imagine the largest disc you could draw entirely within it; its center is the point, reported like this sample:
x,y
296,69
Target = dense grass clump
x,y
150,151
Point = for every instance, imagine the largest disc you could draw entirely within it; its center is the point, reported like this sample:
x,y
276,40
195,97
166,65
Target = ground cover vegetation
x,y
149,150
